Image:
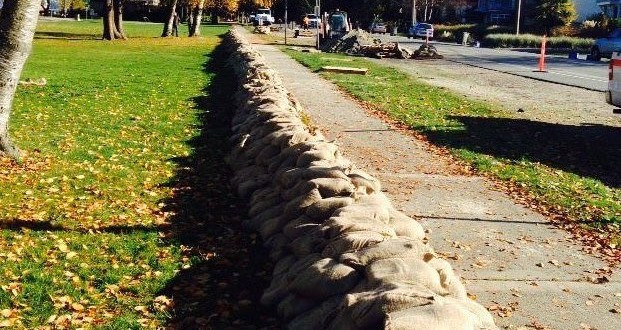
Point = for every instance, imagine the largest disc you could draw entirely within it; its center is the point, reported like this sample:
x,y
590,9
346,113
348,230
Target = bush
x,y
477,31
534,41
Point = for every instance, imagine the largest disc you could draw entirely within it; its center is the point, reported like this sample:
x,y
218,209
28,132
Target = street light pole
x,y
318,14
413,12
519,11
286,17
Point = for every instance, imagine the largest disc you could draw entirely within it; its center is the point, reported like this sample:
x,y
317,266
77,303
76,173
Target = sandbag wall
x,y
345,258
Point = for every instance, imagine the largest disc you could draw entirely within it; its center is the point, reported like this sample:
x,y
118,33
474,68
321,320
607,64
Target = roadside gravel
x,y
523,98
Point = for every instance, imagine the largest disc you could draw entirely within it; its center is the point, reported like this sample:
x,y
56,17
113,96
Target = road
x,y
579,73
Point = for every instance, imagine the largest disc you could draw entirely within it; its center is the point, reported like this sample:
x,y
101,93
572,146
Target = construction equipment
x,y
337,25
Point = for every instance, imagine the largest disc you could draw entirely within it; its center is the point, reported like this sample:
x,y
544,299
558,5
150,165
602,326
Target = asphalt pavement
x,y
592,75
528,273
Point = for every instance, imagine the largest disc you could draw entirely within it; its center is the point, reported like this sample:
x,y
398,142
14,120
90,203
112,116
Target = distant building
x,y
503,11
586,8
612,8
497,11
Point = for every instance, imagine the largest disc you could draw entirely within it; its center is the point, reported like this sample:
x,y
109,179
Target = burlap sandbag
x,y
246,188
375,207
267,192
364,182
367,310
324,278
400,247
336,226
278,286
265,203
318,317
352,241
330,187
405,226
282,266
324,208
248,173
293,176
443,314
329,152
406,270
276,241
301,188
284,160
299,226
448,279
294,305
255,222
312,242
301,137
272,226
297,206
265,156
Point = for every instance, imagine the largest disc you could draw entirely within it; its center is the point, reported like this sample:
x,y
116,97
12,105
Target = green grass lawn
x,y
568,170
85,232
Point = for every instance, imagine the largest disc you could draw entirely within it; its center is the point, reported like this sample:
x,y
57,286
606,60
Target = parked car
x,y
604,47
378,27
420,30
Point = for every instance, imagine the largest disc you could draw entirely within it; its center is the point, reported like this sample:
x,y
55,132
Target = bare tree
x,y
113,20
18,20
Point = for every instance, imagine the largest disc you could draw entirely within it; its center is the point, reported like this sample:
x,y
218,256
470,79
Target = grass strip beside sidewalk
x,y
568,171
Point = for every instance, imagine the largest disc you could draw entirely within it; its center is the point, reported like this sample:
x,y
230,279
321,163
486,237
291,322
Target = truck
x,y
263,16
613,94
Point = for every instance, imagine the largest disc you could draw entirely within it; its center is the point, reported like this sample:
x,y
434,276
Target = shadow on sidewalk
x,y
228,272
588,150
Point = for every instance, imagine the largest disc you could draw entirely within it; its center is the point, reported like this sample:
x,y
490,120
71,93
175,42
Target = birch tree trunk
x,y
18,21
118,19
196,18
168,26
113,20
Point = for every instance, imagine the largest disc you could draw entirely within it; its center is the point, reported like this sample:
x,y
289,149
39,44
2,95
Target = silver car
x,y
421,30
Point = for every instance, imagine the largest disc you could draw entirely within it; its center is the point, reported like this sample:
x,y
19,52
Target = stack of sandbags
x,y
344,257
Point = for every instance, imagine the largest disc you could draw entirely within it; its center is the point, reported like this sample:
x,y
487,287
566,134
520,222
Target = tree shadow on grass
x,y
65,35
229,271
587,150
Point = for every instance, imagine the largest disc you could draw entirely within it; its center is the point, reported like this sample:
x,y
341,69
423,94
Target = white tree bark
x,y
18,21
196,19
168,26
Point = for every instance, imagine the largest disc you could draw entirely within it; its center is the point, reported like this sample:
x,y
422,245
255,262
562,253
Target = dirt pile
x,y
349,43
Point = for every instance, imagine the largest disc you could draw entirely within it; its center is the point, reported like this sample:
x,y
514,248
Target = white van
x,y
613,95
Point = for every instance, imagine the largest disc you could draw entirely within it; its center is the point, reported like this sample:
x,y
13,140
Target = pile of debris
x,y
361,43
426,51
349,43
263,29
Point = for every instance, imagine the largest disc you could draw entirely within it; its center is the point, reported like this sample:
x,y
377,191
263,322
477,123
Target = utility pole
x,y
413,12
318,15
517,25
286,21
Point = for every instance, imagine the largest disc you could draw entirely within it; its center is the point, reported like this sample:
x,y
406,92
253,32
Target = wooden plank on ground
x,y
341,69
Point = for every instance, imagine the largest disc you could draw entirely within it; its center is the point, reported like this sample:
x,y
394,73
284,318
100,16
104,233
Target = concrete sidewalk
x,y
527,273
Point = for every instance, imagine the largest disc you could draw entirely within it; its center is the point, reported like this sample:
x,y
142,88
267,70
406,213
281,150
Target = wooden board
x,y
340,69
